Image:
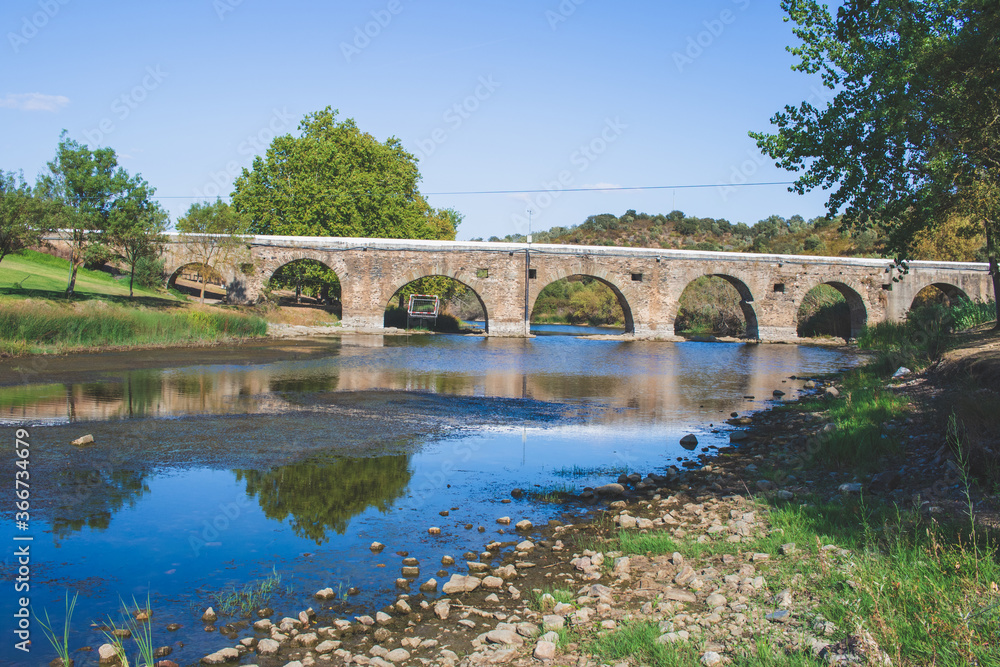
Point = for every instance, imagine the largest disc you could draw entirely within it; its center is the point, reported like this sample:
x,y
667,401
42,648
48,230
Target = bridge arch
x,y
746,301
474,288
210,274
555,276
940,292
856,306
305,274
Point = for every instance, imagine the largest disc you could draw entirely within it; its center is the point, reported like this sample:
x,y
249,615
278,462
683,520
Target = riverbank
x,y
783,548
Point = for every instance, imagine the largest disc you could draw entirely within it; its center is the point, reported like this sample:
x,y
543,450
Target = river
x,y
215,468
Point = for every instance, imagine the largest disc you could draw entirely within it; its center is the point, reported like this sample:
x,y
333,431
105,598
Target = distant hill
x,y
791,236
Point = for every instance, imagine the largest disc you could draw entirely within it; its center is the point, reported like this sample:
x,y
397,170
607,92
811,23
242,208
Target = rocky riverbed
x,y
545,594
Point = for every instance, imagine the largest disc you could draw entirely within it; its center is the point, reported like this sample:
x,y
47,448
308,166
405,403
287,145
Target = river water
x,y
215,468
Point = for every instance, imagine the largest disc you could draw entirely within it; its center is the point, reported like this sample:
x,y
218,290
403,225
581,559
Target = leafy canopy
x,y
335,180
911,133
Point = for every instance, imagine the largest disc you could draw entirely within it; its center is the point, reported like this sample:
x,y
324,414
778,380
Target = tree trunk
x,y
203,279
72,279
131,277
991,253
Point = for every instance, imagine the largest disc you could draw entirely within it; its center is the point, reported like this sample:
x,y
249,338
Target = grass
x,y
59,643
554,493
638,641
35,275
251,596
578,471
33,327
558,594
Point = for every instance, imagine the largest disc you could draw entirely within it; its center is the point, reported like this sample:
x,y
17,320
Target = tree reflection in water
x,y
90,497
324,494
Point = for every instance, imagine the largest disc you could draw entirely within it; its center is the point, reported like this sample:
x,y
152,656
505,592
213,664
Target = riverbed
x,y
213,469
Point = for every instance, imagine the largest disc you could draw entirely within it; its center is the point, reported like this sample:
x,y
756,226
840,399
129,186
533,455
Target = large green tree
x,y
213,235
23,217
335,180
911,133
135,227
89,186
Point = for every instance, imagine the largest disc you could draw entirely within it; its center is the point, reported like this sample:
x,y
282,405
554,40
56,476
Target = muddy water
x,y
212,469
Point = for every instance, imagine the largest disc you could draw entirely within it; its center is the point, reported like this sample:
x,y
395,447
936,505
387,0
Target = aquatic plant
x,y
251,596
60,644
142,631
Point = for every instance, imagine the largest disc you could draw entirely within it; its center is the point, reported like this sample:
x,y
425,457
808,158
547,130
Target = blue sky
x,y
534,95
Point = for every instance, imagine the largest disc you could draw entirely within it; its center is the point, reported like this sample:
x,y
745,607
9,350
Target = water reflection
x,y
654,378
323,495
89,497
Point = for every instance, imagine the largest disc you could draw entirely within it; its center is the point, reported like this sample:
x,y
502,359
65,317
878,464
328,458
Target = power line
x,y
540,191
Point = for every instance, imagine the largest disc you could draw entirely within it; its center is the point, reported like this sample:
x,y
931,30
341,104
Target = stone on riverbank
x,y
83,440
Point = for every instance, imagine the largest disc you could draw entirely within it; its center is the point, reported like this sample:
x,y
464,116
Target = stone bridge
x,y
507,279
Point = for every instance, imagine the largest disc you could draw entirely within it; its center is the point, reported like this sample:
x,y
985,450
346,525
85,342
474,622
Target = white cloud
x,y
33,101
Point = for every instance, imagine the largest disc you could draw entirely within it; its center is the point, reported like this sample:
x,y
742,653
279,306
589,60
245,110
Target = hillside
x,y
954,241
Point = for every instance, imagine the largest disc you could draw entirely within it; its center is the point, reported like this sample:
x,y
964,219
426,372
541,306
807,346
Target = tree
x,y
87,184
213,235
22,216
912,133
334,180
136,226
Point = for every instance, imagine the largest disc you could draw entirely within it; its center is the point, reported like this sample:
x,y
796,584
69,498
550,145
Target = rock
x,y
106,653
739,436
506,637
477,567
83,440
460,584
545,650
622,565
689,441
397,655
777,393
884,481
527,630
411,572
366,620
787,549
447,560
627,522
901,371
553,622
434,530
325,594
610,490
766,485
850,488
221,657
442,609
785,495
711,659
504,521
524,524
831,392
493,582
715,600
678,595
376,547
307,639
779,616
209,616
383,618
517,493
526,545
429,586
267,647
403,583
327,646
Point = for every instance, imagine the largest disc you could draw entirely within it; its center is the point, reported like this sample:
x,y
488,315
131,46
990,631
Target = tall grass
x,y
37,327
59,644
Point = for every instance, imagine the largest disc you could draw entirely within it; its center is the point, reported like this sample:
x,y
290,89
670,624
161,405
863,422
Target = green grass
x,y
578,471
59,643
553,493
37,275
559,594
33,327
638,641
253,595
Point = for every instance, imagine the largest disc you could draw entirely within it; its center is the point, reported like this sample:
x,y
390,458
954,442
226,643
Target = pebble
x,y
545,650
376,547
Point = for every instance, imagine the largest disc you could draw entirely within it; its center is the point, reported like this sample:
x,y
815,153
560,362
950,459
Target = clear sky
x,y
490,95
